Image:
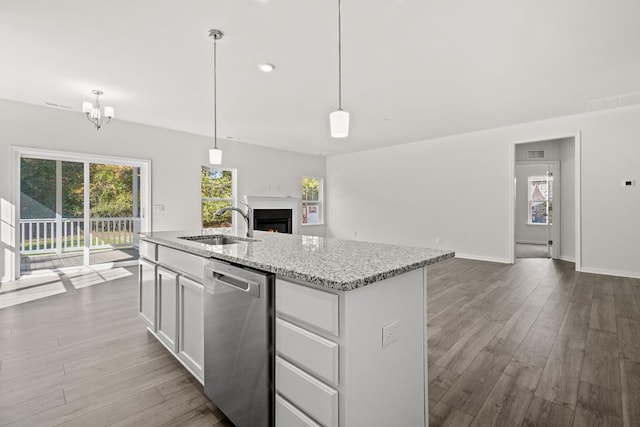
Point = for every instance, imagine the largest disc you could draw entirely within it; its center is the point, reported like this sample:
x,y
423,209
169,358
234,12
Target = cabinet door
x,y
191,330
168,307
147,293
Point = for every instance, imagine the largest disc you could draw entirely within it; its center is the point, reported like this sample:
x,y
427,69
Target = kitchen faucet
x,y
247,216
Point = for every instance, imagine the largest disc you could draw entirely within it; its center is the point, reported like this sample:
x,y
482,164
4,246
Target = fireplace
x,y
274,220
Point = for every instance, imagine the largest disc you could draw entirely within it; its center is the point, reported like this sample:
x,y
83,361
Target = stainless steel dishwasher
x,y
239,343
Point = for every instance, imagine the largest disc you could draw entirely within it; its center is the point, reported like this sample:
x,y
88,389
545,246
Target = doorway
x,y
538,209
545,207
78,209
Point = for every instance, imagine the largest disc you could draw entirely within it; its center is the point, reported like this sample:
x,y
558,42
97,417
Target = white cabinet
x,y
316,398
171,302
332,368
147,293
168,307
288,415
307,364
191,332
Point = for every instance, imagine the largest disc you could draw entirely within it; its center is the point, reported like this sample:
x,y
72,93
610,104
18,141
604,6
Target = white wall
x,y
458,188
176,159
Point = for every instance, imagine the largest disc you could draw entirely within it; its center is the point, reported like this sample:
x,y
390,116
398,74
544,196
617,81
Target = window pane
x,y
216,183
310,189
538,212
311,214
209,218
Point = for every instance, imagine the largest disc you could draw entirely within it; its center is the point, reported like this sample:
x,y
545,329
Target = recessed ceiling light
x,y
266,68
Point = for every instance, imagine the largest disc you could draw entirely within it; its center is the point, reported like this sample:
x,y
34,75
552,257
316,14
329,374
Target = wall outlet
x,y
390,333
158,208
438,239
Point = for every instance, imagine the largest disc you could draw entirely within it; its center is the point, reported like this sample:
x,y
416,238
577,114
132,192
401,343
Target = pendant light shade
x,y
215,154
339,121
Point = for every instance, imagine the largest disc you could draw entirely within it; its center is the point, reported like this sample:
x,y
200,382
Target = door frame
x,y
577,141
17,152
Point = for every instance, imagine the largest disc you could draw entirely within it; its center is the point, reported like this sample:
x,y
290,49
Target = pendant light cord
x,y
339,55
215,105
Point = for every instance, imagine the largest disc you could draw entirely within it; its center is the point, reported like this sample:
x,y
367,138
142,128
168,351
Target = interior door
x,y
553,238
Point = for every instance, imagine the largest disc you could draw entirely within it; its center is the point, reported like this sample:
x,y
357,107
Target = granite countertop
x,y
333,263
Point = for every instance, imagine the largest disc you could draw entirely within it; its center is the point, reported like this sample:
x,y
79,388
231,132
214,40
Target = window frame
x,y
530,180
319,203
233,199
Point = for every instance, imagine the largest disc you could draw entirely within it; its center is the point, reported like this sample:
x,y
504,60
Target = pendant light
x,y
215,154
339,119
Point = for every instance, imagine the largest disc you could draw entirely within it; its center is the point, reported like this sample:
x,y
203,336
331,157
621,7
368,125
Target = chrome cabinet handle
x,y
251,288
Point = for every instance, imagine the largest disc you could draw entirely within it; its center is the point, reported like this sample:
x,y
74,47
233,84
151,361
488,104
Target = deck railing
x,y
41,235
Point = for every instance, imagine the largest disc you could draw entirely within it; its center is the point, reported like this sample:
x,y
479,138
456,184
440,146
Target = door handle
x,y
250,288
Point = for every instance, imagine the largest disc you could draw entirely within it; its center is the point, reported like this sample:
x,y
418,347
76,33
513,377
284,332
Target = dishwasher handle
x,y
238,284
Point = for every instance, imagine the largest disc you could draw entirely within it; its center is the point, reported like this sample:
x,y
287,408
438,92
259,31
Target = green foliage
x,y
37,188
215,184
310,189
72,189
110,189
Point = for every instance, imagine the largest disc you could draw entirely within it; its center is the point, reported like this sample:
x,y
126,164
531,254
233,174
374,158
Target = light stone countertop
x,y
333,263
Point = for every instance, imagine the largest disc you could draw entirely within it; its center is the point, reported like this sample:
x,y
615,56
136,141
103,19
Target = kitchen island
x,y
350,325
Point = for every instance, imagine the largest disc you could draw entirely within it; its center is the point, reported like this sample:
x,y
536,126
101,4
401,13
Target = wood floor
x,y
528,344
532,344
52,261
84,358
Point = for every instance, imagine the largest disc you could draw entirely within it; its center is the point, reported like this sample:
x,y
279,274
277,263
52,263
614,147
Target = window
x,y
217,190
311,200
539,199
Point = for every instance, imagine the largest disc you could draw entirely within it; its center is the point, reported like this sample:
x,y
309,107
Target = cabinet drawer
x,y
147,250
189,264
317,308
306,392
288,415
310,351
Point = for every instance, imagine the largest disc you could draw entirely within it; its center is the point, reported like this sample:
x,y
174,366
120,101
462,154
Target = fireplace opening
x,y
273,220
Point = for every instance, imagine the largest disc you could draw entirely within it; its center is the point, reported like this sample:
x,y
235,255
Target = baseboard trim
x,y
604,271
483,258
567,258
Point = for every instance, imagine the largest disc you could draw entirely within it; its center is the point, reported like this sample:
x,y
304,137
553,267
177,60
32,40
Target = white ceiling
x,y
412,69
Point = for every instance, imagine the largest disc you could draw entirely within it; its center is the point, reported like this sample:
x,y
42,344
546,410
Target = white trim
x,y
484,258
567,258
578,207
604,271
20,151
578,202
531,242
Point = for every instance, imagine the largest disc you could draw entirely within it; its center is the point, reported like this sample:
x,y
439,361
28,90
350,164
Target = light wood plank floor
x,y
84,358
528,344
31,263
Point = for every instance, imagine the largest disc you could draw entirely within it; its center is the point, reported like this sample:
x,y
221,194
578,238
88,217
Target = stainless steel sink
x,y
217,239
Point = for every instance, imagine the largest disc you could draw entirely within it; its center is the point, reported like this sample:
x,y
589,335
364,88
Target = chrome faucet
x,y
248,216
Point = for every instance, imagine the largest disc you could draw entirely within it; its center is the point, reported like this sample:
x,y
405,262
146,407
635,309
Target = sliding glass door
x,y
74,213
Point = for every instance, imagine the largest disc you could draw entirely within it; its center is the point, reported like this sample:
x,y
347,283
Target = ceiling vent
x,y
535,154
614,102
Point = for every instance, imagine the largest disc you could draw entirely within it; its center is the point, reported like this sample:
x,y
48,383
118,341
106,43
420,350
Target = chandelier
x,y
95,114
